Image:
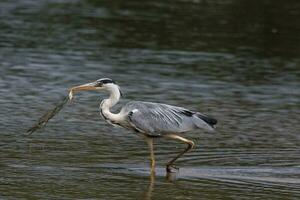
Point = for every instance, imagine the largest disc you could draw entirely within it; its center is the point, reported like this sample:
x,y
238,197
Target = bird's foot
x,y
171,168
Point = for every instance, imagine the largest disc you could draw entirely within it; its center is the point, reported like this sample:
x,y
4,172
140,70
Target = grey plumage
x,y
157,119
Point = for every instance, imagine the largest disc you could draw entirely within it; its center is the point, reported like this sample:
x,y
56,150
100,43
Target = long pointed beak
x,y
88,86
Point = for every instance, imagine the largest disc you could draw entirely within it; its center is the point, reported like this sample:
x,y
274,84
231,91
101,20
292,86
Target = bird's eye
x,y
99,84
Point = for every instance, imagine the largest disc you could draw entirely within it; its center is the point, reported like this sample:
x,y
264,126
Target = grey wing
x,y
157,119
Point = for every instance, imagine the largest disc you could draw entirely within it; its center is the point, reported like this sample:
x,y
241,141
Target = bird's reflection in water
x,y
148,193
170,177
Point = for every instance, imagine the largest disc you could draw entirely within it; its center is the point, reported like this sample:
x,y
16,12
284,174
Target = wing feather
x,y
157,119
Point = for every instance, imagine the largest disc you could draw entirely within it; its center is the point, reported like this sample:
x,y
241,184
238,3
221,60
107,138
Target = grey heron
x,y
149,120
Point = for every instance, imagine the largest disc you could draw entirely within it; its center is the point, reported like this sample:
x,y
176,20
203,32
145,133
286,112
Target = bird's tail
x,y
205,122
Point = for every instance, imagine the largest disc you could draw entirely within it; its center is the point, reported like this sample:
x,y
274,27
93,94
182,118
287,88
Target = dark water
x,y
235,60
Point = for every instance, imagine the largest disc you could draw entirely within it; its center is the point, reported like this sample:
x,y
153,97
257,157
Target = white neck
x,y
113,99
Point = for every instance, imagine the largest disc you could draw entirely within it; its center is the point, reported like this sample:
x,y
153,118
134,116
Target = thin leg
x,y
150,144
190,144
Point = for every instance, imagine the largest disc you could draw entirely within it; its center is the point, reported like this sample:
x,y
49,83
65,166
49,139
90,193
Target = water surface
x,y
235,60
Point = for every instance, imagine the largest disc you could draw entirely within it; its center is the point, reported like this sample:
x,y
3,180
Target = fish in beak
x,y
88,86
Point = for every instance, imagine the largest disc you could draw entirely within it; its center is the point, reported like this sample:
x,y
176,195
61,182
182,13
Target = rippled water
x,y
235,60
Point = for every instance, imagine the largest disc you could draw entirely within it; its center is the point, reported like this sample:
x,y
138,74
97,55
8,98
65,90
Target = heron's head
x,y
106,84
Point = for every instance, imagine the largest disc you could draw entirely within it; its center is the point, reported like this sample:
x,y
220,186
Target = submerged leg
x,y
150,144
190,144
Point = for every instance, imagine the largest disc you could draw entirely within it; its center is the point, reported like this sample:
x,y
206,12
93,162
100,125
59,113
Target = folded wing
x,y
158,119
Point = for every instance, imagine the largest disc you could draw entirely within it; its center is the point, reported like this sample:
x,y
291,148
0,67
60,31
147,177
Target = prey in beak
x,y
89,86
100,84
